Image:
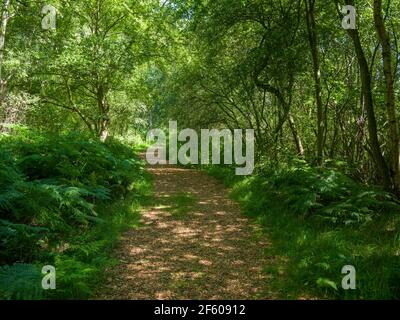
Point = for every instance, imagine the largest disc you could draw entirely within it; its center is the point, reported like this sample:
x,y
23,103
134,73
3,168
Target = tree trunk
x,y
313,40
104,109
296,137
365,75
103,132
394,140
4,20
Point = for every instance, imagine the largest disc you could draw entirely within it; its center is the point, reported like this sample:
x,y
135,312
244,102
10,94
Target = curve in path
x,y
209,250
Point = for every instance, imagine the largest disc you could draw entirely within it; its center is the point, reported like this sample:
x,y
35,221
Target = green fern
x,y
19,241
313,192
20,282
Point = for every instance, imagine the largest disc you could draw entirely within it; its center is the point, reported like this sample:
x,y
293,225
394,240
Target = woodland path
x,y
194,243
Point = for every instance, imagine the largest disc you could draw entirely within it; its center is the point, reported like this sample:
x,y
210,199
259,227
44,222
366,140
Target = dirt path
x,y
195,244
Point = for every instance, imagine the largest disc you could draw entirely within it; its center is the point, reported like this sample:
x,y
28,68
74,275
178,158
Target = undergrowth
x,y
64,199
318,221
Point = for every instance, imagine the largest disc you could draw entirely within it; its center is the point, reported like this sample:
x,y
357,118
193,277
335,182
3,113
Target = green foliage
x,y
74,277
82,266
64,174
180,204
19,241
314,192
120,67
59,198
318,221
20,281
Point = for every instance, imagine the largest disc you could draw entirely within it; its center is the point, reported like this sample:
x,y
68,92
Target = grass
x,y
81,267
180,204
308,258
308,249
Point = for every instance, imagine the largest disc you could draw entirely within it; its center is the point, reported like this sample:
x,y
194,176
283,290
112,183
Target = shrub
x,y
314,192
318,220
50,186
20,281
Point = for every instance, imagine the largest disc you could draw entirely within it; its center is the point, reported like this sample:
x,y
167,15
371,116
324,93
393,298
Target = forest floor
x,y
193,243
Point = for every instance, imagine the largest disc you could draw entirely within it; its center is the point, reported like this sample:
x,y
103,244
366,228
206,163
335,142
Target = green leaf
x,y
324,282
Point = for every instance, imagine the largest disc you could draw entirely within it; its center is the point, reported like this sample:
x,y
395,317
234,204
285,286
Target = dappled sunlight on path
x,y
207,251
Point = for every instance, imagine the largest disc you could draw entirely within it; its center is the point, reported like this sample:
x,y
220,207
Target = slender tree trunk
x,y
296,136
4,20
313,40
104,130
365,76
394,139
103,111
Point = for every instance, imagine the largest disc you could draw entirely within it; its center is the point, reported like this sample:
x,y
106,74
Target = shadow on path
x,y
194,244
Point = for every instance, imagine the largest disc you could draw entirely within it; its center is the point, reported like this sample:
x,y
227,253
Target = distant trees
x,y
79,69
94,59
289,70
286,69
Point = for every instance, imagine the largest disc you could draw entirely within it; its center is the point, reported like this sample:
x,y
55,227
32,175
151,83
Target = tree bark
x,y
297,141
394,139
313,40
365,75
4,20
104,109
